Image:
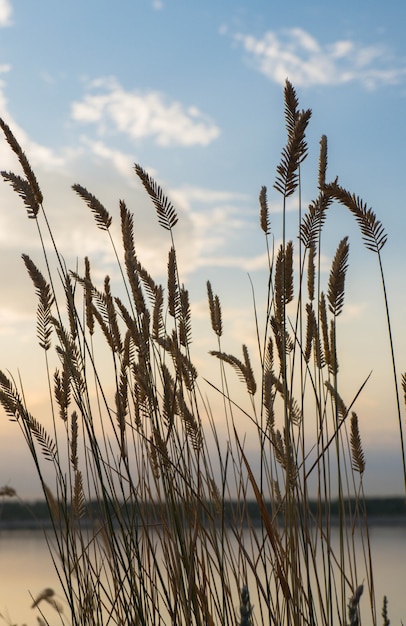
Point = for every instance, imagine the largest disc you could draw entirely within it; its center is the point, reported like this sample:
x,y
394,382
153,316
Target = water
x,y
26,569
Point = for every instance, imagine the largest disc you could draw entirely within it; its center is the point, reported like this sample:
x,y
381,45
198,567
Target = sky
x,y
194,93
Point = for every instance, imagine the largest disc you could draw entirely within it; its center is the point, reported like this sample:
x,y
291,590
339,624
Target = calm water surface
x,y
26,568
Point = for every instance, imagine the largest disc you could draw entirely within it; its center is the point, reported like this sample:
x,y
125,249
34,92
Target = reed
x,y
151,509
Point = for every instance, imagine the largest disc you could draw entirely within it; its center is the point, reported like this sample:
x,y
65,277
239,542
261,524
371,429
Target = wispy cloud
x,y
295,54
121,161
216,218
143,114
5,12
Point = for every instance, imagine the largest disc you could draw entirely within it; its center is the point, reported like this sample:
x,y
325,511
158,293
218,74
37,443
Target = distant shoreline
x,y
16,515
373,522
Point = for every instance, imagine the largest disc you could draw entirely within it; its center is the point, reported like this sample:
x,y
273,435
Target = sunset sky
x,y
193,91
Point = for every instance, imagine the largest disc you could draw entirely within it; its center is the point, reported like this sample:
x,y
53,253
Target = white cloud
x,y
295,54
187,194
248,264
217,217
5,13
219,222
143,114
121,161
157,5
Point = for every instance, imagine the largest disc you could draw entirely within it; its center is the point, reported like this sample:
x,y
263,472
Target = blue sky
x,y
194,93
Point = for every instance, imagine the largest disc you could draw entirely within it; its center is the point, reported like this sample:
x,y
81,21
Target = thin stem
x,y
395,376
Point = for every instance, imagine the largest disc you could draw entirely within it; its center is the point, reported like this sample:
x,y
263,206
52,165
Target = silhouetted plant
x,y
146,530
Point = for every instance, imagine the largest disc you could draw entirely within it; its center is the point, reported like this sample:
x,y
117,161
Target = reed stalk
x,y
156,518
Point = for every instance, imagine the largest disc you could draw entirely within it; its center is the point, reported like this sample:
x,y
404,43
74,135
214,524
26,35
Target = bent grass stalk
x,y
146,530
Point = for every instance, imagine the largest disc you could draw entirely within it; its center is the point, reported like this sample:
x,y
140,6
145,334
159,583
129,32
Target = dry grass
x,y
151,514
